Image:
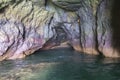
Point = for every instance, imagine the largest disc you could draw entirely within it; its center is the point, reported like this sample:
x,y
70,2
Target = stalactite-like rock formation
x,y
30,25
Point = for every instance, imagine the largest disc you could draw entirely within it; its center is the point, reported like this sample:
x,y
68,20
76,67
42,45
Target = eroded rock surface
x,y
22,28
30,25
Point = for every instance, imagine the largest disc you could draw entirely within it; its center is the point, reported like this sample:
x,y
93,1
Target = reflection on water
x,y
60,64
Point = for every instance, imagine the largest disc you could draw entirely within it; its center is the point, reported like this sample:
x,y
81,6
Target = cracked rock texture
x,y
22,26
30,25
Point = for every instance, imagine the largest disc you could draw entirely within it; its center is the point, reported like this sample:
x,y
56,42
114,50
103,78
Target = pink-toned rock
x,y
22,29
30,25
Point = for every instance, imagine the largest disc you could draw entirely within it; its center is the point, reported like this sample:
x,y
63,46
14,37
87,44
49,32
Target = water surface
x,y
60,64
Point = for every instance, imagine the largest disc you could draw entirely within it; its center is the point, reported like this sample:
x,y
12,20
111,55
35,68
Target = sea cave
x,y
59,40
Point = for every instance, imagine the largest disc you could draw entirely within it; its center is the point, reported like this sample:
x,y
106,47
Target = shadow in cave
x,y
3,9
116,24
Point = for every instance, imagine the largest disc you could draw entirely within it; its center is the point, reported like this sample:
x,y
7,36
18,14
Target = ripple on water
x,y
60,64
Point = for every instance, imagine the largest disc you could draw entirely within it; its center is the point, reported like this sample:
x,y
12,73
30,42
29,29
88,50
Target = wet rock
x,y
105,29
95,34
21,29
4,3
87,28
71,5
29,25
64,25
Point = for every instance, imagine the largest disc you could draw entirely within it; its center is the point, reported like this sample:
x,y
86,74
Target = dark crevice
x,y
16,2
3,9
80,32
116,24
24,33
46,1
96,32
49,25
59,37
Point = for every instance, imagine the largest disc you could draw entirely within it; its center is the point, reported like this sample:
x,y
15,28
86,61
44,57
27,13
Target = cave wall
x,y
30,25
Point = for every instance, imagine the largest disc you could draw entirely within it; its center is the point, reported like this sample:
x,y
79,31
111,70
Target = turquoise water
x,y
60,64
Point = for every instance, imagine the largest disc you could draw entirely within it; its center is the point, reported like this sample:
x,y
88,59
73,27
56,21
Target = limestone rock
x,y
93,21
29,25
72,5
22,29
105,30
4,3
